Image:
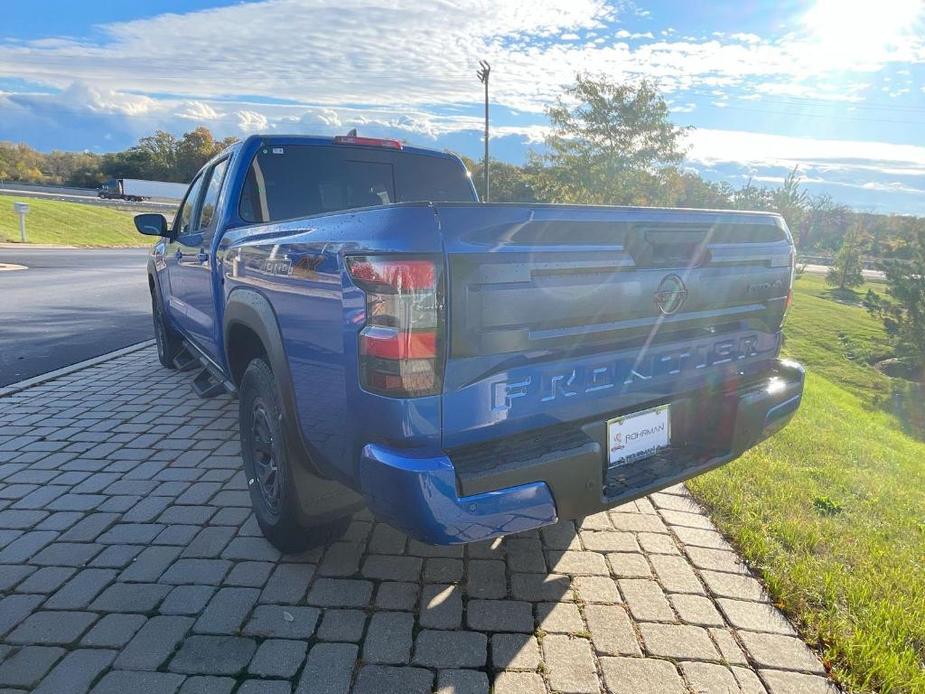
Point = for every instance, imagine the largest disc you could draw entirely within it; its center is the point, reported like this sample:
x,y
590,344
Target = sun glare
x,y
860,30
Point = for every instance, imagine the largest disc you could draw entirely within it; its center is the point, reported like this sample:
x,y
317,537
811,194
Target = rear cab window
x,y
284,182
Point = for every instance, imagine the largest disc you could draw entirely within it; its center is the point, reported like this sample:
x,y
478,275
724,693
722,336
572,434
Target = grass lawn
x,y
69,223
831,511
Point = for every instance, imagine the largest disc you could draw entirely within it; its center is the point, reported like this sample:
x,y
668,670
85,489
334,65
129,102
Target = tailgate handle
x,y
660,238
668,247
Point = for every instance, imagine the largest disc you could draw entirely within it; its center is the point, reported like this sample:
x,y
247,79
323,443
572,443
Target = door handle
x,y
202,256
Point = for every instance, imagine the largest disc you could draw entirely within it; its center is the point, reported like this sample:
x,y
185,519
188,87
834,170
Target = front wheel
x,y
168,342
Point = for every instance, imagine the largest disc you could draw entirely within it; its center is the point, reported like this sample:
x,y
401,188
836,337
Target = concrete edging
x,y
79,366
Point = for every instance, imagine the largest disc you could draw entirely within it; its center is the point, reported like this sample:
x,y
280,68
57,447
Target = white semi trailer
x,y
137,190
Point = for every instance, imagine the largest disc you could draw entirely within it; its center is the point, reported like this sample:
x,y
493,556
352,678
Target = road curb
x,y
79,366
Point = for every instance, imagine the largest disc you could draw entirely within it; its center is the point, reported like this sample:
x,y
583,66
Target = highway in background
x,y
823,269
81,195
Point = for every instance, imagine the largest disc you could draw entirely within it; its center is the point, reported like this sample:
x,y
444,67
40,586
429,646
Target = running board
x,y
205,386
209,381
186,359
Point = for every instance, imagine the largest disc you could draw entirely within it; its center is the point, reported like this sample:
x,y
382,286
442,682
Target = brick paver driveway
x,y
129,562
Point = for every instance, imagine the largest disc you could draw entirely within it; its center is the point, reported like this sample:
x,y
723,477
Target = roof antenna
x,y
352,133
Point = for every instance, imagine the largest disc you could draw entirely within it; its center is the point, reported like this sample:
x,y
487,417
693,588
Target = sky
x,y
836,87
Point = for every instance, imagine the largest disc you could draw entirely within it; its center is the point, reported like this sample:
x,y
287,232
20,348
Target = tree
x,y
509,182
687,189
80,169
19,162
196,148
903,309
160,152
610,144
846,271
164,157
790,200
823,221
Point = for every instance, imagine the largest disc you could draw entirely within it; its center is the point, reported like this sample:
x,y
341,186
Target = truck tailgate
x,y
567,314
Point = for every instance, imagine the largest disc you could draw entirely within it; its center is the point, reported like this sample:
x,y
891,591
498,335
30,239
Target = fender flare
x,y
152,276
251,309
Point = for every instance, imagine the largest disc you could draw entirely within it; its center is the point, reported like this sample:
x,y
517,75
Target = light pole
x,y
483,78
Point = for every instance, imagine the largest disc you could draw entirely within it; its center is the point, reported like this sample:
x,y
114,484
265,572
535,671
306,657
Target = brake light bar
x,y
400,345
366,141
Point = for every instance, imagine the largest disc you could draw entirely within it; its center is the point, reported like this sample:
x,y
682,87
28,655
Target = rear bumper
x,y
513,485
418,495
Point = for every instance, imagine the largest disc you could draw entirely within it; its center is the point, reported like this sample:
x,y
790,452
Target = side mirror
x,y
151,224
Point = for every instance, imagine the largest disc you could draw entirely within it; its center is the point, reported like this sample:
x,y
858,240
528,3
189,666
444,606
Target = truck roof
x,y
329,140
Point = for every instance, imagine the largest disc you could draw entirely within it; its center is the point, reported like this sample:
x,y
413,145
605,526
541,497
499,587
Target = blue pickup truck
x,y
464,370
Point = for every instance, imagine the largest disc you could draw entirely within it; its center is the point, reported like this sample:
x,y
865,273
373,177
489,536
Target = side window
x,y
183,224
210,199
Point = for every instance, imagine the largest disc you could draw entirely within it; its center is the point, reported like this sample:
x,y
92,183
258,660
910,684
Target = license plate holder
x,y
638,435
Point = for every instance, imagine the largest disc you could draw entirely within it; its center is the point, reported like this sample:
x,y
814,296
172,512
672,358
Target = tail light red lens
x,y
400,347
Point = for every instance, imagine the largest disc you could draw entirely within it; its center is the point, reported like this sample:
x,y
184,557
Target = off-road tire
x,y
168,341
268,467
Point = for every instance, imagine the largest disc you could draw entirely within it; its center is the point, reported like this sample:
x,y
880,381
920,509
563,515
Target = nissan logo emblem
x,y
670,295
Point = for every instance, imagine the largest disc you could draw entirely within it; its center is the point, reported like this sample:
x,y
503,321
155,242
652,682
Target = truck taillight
x,y
400,346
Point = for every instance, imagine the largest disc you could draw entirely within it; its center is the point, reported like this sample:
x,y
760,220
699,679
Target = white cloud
x,y
711,147
198,111
385,53
624,34
252,122
82,96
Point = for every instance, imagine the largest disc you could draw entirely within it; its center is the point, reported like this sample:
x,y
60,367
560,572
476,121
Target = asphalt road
x,y
68,306
823,269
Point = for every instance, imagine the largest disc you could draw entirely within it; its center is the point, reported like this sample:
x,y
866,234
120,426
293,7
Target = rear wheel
x,y
267,466
168,341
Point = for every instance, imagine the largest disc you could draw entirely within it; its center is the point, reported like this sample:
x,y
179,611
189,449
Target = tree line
x,y
158,157
609,143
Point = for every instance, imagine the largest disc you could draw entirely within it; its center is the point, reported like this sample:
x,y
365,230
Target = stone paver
x,y
637,675
130,562
678,641
277,658
329,669
515,652
777,651
462,682
570,665
519,683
